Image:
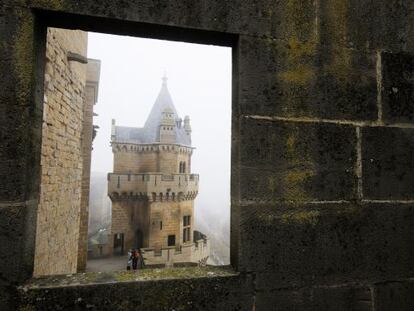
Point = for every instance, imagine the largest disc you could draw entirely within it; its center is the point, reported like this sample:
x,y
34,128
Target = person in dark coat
x,y
141,262
135,256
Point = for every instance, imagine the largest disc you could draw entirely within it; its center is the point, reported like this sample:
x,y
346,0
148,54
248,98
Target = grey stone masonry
x,y
322,194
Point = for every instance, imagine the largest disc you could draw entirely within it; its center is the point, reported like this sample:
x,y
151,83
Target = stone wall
x,y
129,214
171,214
125,220
156,159
91,97
322,113
126,162
197,253
58,214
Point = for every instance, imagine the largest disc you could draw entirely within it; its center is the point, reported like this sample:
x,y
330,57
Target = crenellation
x,y
150,148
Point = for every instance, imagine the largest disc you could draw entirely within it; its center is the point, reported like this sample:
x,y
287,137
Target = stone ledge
x,y
93,278
210,288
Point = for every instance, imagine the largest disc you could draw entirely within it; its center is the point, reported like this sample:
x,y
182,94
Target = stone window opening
x,y
331,182
182,167
171,240
121,237
186,228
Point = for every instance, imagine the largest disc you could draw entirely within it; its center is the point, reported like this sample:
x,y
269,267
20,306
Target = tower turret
x,y
153,185
187,127
113,130
179,122
167,126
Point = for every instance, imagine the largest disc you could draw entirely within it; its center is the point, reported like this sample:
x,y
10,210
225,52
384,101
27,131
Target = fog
x,y
199,81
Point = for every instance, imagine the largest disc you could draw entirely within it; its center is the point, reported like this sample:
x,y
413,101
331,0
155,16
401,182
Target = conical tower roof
x,y
150,132
163,102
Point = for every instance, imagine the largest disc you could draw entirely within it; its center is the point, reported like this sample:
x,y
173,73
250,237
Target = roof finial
x,y
164,78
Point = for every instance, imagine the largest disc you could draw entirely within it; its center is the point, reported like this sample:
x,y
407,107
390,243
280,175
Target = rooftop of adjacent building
x,y
150,132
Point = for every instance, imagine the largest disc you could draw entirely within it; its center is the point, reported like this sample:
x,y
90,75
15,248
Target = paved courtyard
x,y
117,263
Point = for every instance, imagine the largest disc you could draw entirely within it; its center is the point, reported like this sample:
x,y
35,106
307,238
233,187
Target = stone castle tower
x,y
152,189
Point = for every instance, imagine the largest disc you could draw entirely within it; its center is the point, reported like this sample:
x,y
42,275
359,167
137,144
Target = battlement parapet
x,y
196,252
153,186
118,146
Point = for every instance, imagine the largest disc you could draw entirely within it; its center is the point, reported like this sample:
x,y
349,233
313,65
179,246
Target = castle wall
x,y
198,253
58,215
168,162
130,215
167,134
91,95
184,157
165,161
133,162
142,219
322,196
127,216
156,184
171,214
122,214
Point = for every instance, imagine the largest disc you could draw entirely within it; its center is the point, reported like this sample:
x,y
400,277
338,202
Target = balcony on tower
x,y
153,186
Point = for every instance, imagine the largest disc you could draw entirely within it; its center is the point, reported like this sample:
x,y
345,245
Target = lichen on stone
x,y
129,276
301,217
51,4
301,168
23,56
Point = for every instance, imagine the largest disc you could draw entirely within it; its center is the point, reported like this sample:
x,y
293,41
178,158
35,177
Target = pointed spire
x,y
163,101
164,79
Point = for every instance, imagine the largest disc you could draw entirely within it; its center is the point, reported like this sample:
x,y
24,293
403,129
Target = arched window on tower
x,y
183,167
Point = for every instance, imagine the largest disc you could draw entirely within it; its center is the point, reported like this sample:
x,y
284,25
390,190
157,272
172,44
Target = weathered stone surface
x,y
12,221
341,298
8,295
213,291
239,16
296,78
295,58
12,116
293,161
394,27
394,295
344,23
295,245
397,87
91,96
387,163
367,24
59,209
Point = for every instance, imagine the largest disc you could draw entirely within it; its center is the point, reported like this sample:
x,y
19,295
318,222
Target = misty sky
x,y
199,81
